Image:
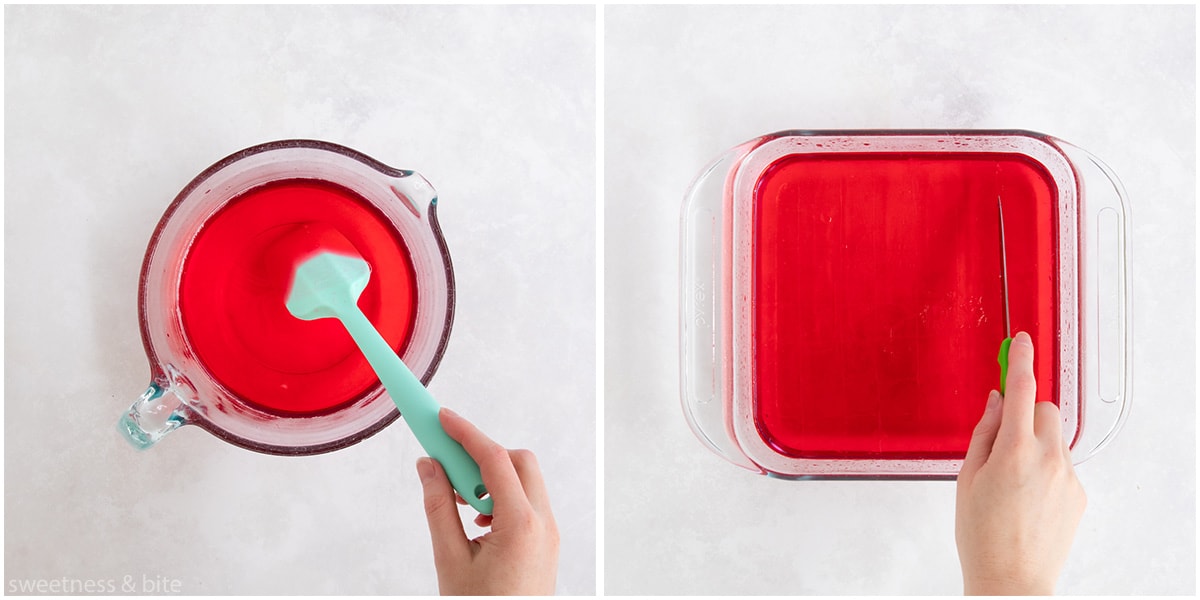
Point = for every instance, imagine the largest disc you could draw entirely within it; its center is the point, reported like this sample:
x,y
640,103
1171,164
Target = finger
x,y
459,499
1020,389
495,466
483,520
1047,423
450,544
530,474
983,437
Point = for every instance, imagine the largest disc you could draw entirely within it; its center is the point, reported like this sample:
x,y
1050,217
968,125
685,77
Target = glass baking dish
x,y
841,304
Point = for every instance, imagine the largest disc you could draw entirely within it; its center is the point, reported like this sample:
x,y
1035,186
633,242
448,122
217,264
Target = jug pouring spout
x,y
414,192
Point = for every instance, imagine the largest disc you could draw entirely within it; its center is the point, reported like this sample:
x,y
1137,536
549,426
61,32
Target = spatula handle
x,y
420,411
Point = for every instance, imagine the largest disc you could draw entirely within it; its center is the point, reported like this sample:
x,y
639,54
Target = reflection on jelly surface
x,y
878,308
235,283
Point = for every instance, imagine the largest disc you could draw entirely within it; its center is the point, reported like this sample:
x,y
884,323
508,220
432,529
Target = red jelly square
x,y
877,297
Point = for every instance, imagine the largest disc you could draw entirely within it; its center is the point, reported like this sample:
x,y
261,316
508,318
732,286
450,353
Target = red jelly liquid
x,y
878,307
235,283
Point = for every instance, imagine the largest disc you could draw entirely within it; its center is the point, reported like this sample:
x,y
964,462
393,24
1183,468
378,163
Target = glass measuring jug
x,y
225,355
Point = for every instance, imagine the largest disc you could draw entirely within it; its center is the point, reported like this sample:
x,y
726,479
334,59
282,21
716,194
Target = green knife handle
x,y
420,411
1003,360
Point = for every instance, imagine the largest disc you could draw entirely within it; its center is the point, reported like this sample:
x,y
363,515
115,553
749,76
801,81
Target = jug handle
x,y
157,412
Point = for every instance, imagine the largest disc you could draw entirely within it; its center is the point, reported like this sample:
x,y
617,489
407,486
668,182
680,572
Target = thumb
x,y
450,544
984,436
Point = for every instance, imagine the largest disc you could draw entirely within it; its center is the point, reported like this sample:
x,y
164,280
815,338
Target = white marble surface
x,y
110,111
683,84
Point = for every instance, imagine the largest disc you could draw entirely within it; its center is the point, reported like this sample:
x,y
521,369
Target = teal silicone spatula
x,y
328,285
1003,358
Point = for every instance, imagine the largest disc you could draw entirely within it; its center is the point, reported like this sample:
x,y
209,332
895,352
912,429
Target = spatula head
x,y
327,285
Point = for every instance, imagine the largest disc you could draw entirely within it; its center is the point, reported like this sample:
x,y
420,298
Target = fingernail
x,y
993,401
424,468
1023,338
450,412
